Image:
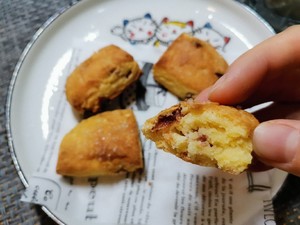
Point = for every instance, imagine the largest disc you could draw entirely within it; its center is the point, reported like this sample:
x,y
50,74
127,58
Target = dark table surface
x,y
19,20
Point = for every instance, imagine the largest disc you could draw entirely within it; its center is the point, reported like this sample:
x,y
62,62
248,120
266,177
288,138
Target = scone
x,y
205,134
188,66
103,76
105,144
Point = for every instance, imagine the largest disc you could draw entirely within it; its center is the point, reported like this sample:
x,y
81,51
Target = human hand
x,y
268,72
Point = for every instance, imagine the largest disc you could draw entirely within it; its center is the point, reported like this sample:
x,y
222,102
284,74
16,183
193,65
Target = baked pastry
x,y
188,66
103,76
205,134
104,144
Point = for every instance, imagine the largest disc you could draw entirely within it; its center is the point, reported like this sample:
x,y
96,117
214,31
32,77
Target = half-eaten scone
x,y
205,134
105,144
103,76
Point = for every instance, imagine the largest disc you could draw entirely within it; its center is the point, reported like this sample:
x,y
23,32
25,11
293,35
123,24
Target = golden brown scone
x,y
105,144
102,76
188,66
205,134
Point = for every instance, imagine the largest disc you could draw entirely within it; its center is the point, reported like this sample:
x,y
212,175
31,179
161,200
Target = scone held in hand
x,y
103,76
205,134
104,144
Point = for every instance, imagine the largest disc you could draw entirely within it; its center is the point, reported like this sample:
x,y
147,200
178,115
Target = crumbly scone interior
x,y
208,138
211,139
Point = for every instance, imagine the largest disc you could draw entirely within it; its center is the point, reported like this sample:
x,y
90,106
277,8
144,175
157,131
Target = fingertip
x,y
203,96
224,91
218,87
277,144
215,93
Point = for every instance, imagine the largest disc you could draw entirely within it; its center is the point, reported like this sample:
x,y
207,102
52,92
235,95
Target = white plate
x,y
41,72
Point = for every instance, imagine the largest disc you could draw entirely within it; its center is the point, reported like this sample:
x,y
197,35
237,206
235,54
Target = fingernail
x,y
276,142
203,96
219,83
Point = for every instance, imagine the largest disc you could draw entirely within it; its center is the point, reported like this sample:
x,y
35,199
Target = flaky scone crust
x,y
104,144
188,66
102,76
160,126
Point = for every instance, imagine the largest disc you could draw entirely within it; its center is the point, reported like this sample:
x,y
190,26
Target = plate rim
x,y
13,81
16,74
10,93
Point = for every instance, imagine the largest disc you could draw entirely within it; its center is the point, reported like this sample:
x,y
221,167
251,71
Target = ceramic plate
x,y
144,28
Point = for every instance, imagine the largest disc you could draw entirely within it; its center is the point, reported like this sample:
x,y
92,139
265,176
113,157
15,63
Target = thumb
x,y
277,144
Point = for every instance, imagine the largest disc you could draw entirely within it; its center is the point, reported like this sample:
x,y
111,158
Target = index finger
x,y
263,63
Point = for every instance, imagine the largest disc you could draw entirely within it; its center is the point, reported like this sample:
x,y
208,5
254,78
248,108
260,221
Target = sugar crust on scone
x,y
188,66
205,134
105,144
103,76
